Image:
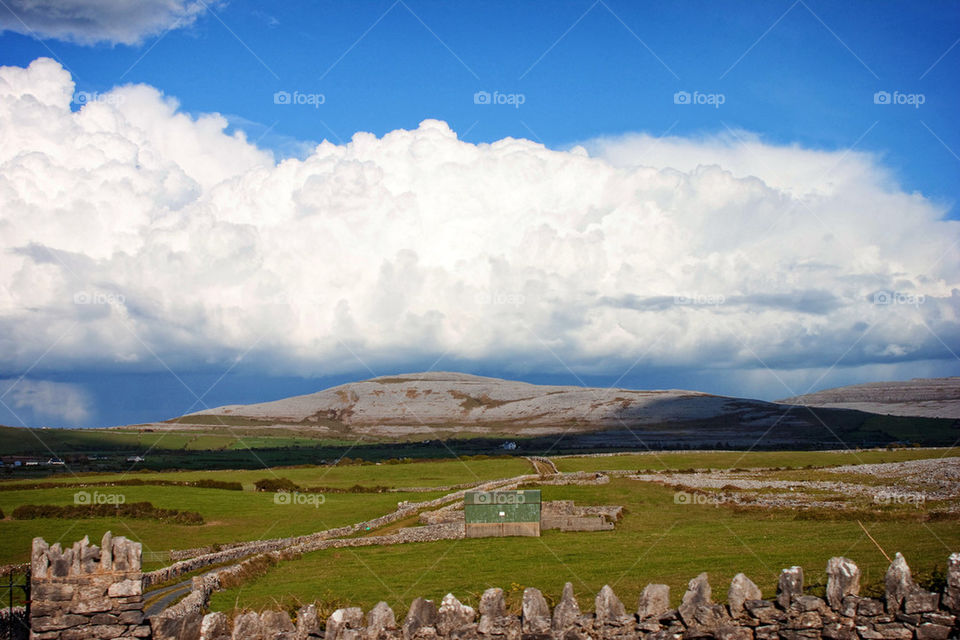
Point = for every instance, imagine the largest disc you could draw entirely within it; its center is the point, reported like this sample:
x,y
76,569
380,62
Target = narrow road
x,y
543,466
170,595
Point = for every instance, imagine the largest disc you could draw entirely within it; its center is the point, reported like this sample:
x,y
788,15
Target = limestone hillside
x,y
921,397
444,405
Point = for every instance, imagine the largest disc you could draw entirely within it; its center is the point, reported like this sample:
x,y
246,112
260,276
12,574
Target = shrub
x,y
140,510
276,484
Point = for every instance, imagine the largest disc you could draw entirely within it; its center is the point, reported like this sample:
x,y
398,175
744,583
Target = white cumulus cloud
x,y
94,21
35,401
130,231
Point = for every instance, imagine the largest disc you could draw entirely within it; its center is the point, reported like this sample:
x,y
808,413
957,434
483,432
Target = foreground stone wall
x,y
906,612
86,591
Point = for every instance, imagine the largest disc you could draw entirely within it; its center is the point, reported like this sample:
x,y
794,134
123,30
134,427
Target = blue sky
x,y
805,76
793,72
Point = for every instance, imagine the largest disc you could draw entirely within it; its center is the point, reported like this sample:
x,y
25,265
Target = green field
x,y
667,460
656,541
232,516
21,441
409,474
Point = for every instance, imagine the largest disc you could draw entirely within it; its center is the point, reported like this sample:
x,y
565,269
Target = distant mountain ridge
x,y
921,397
445,398
452,405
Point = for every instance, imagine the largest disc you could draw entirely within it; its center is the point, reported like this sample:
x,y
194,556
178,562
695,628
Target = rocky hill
x,y
451,405
922,397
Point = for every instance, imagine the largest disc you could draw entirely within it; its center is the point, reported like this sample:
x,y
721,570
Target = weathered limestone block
x,y
951,595
698,594
567,611
214,626
610,610
945,619
247,626
654,601
106,552
733,632
843,579
308,623
767,632
343,620
803,620
125,588
91,605
803,604
455,618
381,622
898,583
920,601
186,627
536,619
421,617
741,589
39,560
930,631
276,625
894,631
789,586
492,603
697,609
57,622
840,630
764,611
494,623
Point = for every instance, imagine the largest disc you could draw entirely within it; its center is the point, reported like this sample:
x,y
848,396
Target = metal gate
x,y
14,617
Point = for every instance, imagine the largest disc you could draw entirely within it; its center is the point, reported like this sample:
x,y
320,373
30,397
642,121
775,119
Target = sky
x,y
213,202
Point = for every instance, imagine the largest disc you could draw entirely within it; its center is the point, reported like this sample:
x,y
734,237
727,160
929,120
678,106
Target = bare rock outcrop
x,y
741,589
843,579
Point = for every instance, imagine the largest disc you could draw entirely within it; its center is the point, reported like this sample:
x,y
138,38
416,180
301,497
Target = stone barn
x,y
501,513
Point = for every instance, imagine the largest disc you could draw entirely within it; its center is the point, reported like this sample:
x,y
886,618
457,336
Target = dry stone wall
x,y
906,612
87,591
90,592
566,516
315,540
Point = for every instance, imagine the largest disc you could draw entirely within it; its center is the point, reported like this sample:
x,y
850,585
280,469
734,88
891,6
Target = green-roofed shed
x,y
501,513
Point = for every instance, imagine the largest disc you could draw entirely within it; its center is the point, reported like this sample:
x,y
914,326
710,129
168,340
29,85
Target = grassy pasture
x,y
408,474
230,516
674,460
18,441
657,540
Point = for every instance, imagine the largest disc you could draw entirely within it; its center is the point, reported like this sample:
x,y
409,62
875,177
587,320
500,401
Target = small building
x,y
501,513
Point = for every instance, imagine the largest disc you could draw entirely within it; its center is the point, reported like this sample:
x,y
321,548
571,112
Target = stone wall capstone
x,y
86,591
